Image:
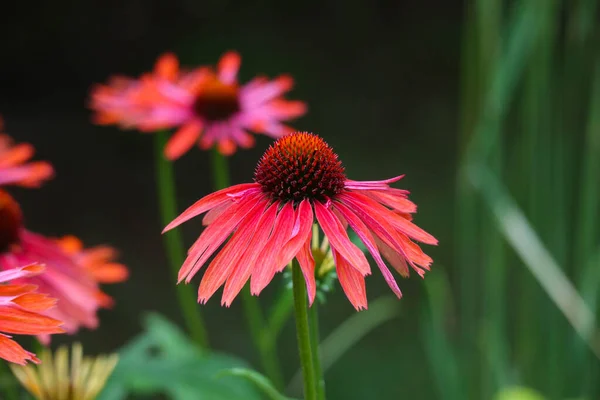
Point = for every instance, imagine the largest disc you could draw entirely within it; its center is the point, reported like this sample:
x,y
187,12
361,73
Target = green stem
x,y
303,334
264,339
220,170
165,176
313,320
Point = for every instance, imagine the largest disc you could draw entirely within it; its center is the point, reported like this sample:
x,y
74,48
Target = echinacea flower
x,y
67,377
14,166
208,107
299,178
21,308
67,278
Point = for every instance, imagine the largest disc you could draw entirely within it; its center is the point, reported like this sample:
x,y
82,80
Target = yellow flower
x,y
57,379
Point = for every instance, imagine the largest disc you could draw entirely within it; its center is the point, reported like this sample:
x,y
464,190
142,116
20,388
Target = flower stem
x,y
263,337
220,170
303,333
165,176
313,320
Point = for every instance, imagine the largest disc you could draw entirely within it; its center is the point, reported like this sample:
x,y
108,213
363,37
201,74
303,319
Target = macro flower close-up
x,y
242,181
21,313
207,105
298,179
73,283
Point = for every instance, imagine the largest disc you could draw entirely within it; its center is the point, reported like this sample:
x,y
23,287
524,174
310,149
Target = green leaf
x,y
164,360
257,379
518,393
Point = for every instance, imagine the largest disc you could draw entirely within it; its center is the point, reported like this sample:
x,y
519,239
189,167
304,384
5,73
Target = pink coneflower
x,y
20,313
66,278
14,166
208,107
300,177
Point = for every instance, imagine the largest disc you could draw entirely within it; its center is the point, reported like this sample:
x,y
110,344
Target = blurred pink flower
x,y
21,309
269,222
14,166
208,107
70,276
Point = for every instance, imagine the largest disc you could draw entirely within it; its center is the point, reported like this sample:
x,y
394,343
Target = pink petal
x,y
302,230
208,202
376,220
247,262
371,185
21,272
396,261
216,233
224,263
183,140
266,263
412,230
401,204
307,265
339,240
13,352
213,214
365,235
351,281
228,67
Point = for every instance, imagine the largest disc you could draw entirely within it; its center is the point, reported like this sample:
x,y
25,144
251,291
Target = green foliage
x,y
164,360
257,379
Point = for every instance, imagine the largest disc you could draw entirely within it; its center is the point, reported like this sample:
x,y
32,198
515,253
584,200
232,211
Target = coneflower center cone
x,y
11,219
217,101
300,166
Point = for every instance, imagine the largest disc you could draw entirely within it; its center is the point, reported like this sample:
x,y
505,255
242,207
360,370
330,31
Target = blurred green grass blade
x,y
589,198
521,32
582,19
524,240
541,327
585,255
260,381
442,360
349,332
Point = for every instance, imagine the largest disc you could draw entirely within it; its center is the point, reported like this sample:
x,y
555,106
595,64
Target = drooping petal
x,y
365,235
207,202
224,263
246,263
339,240
21,272
307,265
411,230
400,204
352,282
266,265
215,234
17,321
376,222
395,260
301,231
214,213
371,185
183,140
35,302
11,351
